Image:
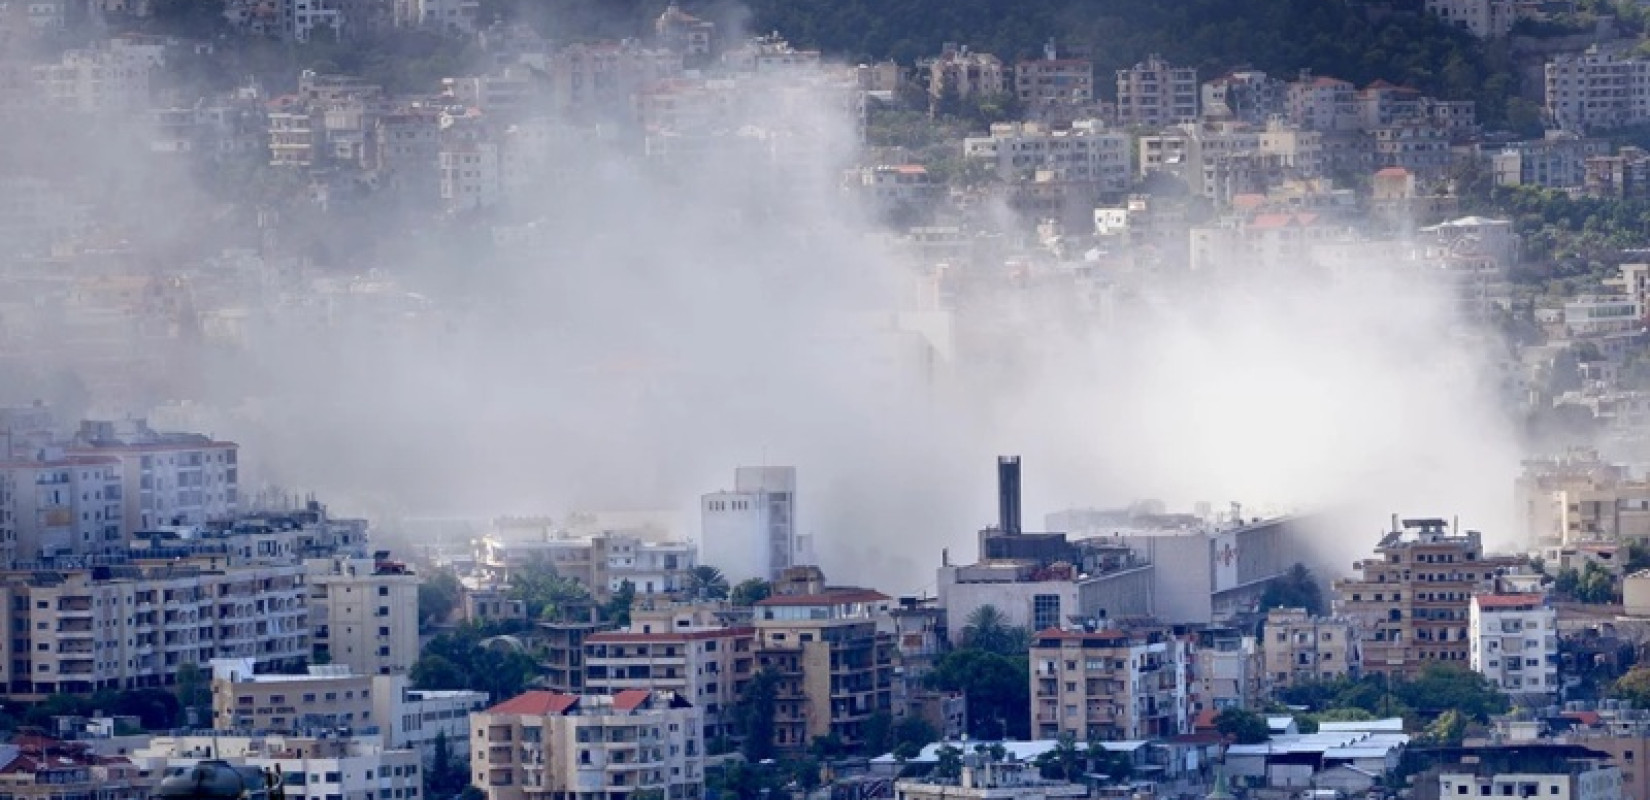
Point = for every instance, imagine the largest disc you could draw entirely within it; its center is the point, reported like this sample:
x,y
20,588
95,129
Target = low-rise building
x,y
37,767
322,766
330,697
602,747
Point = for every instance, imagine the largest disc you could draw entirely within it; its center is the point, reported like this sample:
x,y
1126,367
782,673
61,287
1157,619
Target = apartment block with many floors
x,y
1514,641
364,613
707,665
551,746
166,478
1110,684
1411,600
832,657
1598,89
1155,92
134,625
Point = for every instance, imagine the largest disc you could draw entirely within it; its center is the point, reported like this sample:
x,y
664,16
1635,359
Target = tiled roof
x,y
536,703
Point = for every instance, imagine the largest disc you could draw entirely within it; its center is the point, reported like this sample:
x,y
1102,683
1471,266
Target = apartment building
x,y
1301,648
1085,151
38,767
1249,96
364,613
1598,89
1154,92
1514,642
1323,104
1227,671
1414,145
708,666
166,478
1412,598
320,767
53,504
1485,19
1557,160
603,563
1110,684
95,81
590,747
834,662
1529,772
962,73
331,696
1577,496
1625,174
134,624
1054,86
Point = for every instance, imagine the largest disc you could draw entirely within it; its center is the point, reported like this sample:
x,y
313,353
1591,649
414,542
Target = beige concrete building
x,y
329,697
1302,648
364,613
833,661
963,73
1055,86
550,746
1411,599
707,665
136,624
1110,684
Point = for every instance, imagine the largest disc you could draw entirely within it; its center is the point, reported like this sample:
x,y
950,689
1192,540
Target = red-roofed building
x,y
707,665
1513,640
603,747
42,768
835,668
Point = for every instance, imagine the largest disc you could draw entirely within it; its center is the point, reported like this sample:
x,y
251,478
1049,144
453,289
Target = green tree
x,y
754,714
948,763
878,734
706,582
1243,727
1448,729
749,592
548,595
1062,762
1296,588
617,608
988,630
460,660
911,735
194,689
1633,687
997,688
438,596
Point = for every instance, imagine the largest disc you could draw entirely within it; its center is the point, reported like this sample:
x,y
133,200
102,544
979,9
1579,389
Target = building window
x,y
1045,611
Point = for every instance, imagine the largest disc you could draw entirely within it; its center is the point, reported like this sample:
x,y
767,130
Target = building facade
x,y
708,666
595,747
1154,92
1301,648
364,613
1110,684
750,532
1514,642
1412,598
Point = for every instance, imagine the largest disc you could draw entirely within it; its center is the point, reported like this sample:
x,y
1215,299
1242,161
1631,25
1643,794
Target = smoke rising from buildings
x,y
638,328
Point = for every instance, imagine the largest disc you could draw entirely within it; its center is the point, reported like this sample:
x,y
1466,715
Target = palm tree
x,y
706,582
988,630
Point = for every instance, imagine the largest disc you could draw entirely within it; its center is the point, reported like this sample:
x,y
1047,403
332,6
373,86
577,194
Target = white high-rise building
x,y
750,532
